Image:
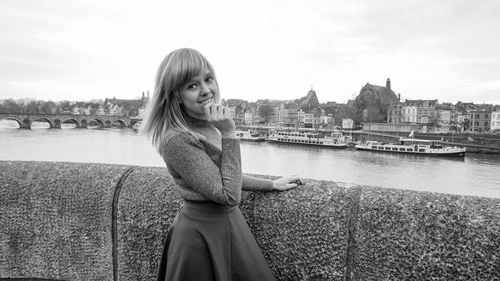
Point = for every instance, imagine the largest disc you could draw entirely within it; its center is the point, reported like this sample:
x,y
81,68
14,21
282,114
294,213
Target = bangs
x,y
190,64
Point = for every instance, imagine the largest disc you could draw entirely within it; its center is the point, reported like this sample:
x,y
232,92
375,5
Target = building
x,y
495,120
115,110
326,122
286,115
373,104
125,107
249,119
426,111
347,123
306,120
409,111
309,102
480,120
232,112
444,117
396,113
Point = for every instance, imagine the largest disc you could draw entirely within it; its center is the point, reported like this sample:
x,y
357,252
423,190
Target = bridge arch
x,y
97,120
44,119
12,118
119,121
74,120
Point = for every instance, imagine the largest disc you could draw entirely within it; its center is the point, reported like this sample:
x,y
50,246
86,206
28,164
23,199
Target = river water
x,y
477,174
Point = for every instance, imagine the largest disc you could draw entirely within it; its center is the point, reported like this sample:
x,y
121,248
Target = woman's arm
x,y
187,157
258,184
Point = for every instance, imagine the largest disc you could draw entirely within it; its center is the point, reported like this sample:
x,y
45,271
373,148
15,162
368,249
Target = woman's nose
x,y
205,89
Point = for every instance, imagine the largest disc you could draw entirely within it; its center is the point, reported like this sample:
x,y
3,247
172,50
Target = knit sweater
x,y
206,167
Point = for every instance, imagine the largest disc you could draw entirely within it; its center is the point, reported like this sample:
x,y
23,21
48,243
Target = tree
x,y
265,111
376,111
65,106
33,107
10,106
48,107
343,112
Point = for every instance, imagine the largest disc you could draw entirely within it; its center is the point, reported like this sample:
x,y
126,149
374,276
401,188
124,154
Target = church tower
x,y
388,84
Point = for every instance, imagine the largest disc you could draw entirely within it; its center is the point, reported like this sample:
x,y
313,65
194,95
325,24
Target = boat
x,y
333,140
249,136
413,146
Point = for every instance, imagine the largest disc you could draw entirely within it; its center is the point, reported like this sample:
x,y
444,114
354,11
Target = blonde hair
x,y
164,110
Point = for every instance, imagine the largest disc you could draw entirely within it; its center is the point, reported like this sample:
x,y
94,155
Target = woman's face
x,y
197,93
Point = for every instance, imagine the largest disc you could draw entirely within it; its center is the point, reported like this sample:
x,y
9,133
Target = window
x,y
409,149
395,148
421,150
402,149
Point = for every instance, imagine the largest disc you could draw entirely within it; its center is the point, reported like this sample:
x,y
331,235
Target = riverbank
x,y
474,142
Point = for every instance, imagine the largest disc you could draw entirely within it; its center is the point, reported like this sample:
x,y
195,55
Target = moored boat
x,y
413,146
333,140
249,136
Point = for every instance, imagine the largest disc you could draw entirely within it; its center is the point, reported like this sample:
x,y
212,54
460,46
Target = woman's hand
x,y
220,117
287,182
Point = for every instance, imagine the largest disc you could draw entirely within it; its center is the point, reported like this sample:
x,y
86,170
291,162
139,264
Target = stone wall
x,y
79,221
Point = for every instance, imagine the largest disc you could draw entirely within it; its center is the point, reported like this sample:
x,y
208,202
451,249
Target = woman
x,y
195,135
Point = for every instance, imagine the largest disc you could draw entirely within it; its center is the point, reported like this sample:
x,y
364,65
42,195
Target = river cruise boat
x,y
413,146
333,140
249,136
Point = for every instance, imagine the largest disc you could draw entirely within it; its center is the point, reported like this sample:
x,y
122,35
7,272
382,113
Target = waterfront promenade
x,y
82,221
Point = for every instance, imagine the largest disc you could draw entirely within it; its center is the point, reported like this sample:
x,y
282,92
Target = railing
x,y
81,221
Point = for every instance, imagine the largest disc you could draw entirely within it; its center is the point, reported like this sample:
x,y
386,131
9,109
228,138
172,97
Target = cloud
x,y
260,49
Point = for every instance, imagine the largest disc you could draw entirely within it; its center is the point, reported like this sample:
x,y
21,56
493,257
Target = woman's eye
x,y
209,79
191,86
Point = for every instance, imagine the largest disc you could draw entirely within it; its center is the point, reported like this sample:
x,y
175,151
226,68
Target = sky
x,y
261,49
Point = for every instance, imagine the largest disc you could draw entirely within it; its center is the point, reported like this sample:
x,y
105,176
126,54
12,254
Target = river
x,y
476,174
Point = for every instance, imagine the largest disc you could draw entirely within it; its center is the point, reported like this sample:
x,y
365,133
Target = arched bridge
x,y
55,120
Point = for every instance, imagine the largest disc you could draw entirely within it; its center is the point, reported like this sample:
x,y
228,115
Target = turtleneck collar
x,y
205,129
195,122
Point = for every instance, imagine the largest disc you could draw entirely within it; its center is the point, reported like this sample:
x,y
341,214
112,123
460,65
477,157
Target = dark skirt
x,y
209,241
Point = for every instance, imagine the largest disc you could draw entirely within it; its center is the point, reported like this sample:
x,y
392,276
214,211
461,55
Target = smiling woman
x,y
196,137
199,93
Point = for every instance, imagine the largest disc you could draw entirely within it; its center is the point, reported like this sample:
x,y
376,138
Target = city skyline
x,y
84,50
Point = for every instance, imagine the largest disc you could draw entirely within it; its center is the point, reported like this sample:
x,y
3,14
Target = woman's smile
x,y
207,101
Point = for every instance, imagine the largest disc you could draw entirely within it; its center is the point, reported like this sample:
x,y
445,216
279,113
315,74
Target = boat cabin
x,y
430,143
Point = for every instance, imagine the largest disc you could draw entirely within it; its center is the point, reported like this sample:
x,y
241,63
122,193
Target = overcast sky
x,y
80,49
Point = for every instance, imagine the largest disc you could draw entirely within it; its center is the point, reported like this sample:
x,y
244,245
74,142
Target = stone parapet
x,y
80,221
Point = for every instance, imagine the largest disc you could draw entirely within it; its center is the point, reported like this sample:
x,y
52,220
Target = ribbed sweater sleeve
x,y
256,184
187,157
